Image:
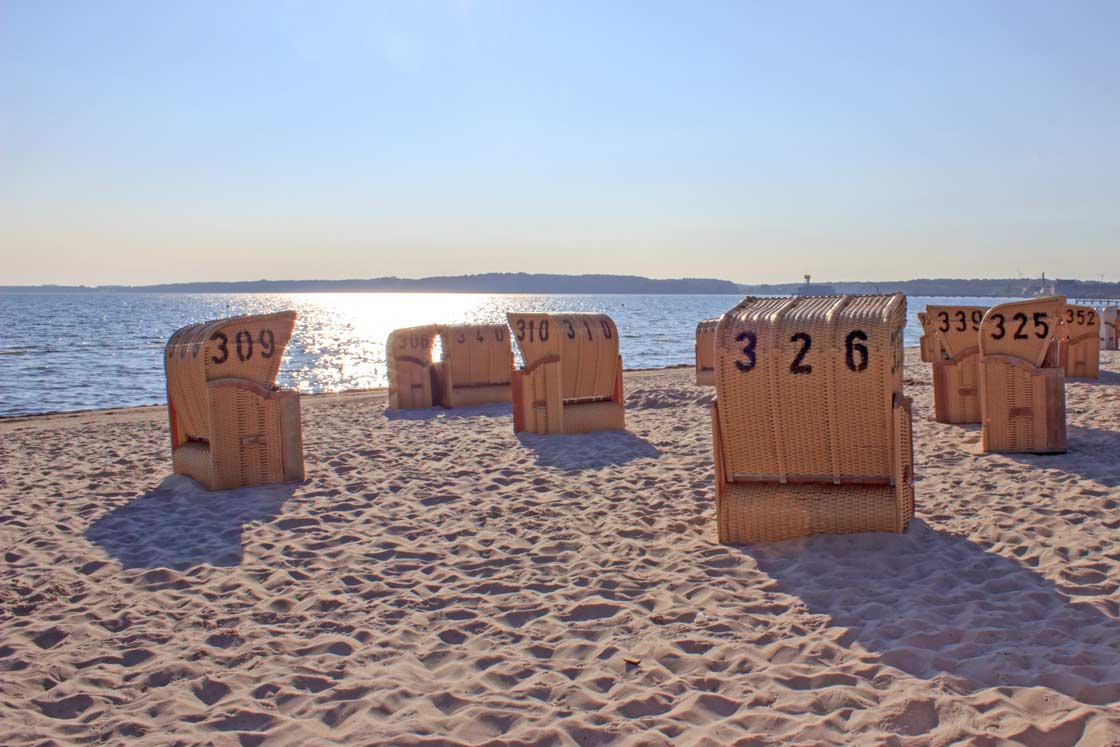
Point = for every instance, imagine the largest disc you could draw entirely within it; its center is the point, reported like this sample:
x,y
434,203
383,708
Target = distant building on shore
x,y
815,290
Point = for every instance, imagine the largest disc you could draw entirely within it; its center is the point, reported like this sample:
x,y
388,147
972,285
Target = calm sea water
x,y
95,350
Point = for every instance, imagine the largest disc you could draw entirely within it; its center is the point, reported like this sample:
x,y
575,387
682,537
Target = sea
x,y
79,351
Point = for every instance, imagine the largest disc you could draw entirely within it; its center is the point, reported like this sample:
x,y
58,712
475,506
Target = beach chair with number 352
x,y
230,425
1022,384
572,378
811,431
1079,343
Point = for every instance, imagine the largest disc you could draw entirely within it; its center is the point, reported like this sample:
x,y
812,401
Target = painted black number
x,y
977,315
478,335
606,328
588,326
851,347
268,343
1092,317
461,337
748,350
806,342
520,329
1040,321
571,328
543,334
962,321
1022,319
223,347
244,342
1081,316
500,334
999,320
1069,315
944,320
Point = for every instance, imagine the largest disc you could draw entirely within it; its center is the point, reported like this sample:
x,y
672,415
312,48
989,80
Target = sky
x,y
751,141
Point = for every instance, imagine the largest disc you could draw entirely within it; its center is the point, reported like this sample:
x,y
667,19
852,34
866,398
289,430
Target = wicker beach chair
x,y
476,366
230,426
811,431
706,352
572,378
1109,321
1079,343
925,342
1022,385
954,350
409,354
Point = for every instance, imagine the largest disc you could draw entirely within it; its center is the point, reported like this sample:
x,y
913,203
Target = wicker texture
x,y
925,342
230,427
409,354
1079,342
1109,320
476,364
706,352
810,419
953,340
1022,387
572,367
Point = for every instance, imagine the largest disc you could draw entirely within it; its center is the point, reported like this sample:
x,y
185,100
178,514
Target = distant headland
x,y
520,282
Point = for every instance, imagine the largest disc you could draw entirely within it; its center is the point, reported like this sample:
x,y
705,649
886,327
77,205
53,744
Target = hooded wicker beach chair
x,y
1079,343
476,366
1022,385
925,342
706,352
572,378
811,431
409,354
954,335
230,426
1108,327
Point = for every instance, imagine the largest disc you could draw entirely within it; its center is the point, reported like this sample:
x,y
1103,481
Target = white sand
x,y
439,581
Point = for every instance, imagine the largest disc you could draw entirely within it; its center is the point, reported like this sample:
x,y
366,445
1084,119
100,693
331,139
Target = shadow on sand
x,y
932,603
495,410
581,451
1091,455
180,524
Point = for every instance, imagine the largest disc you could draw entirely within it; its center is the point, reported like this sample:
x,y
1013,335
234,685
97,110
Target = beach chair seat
x,y
409,355
1022,384
706,352
1108,322
953,340
231,426
572,378
1079,343
811,431
476,365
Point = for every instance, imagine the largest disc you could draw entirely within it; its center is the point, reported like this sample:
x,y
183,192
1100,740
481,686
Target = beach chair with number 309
x,y
572,378
1022,385
230,426
811,430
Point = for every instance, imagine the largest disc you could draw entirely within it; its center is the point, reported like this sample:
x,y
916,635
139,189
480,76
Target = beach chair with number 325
x,y
230,426
811,430
1022,384
572,378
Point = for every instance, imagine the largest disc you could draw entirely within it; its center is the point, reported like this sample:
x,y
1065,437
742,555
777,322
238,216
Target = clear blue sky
x,y
153,141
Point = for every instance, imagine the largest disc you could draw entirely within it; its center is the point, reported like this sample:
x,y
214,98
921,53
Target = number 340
x,y
855,352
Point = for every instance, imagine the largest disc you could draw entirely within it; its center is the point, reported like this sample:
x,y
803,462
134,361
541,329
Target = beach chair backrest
x,y
1108,318
409,356
240,347
1027,330
585,344
954,329
807,385
477,354
706,344
1081,321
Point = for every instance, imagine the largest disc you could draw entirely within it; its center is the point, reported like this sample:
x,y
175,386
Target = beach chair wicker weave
x,y
230,426
1022,385
811,431
954,352
1108,327
409,355
476,366
925,342
572,378
706,352
1079,342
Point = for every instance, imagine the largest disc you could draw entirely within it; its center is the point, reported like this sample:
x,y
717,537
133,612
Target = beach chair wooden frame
x,y
1079,344
1108,322
408,352
706,352
811,431
954,342
476,365
572,378
231,426
1022,384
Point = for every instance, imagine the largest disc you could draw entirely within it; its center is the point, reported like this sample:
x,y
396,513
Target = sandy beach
x,y
438,580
